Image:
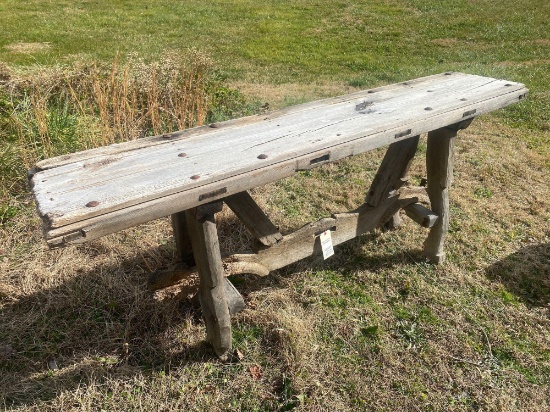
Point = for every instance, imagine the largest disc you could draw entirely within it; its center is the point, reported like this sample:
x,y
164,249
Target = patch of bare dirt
x,y
28,47
527,63
280,95
449,42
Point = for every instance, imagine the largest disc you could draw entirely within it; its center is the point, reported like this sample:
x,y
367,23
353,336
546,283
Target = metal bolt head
x,y
195,177
428,108
262,156
93,203
182,154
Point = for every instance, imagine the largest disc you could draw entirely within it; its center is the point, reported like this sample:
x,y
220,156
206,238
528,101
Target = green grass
x,y
374,327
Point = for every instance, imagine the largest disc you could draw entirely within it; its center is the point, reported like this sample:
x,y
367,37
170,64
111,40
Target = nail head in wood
x,y
182,155
195,177
93,203
262,156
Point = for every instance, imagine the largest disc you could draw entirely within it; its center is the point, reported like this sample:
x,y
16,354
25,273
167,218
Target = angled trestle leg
x,y
215,308
439,169
392,174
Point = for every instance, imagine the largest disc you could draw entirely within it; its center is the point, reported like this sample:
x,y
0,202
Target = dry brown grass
x,y
374,328
110,103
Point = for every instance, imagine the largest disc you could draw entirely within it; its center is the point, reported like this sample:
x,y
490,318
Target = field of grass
x,y
373,328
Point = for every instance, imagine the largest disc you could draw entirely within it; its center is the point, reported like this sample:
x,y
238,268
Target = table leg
x,y
439,168
392,174
204,240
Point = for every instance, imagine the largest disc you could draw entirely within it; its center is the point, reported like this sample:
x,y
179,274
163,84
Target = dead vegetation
x,y
100,104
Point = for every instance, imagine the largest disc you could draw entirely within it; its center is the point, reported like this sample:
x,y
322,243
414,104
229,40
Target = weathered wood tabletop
x,y
100,191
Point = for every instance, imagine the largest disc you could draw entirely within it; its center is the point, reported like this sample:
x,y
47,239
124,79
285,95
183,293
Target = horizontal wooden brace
x,y
421,215
301,243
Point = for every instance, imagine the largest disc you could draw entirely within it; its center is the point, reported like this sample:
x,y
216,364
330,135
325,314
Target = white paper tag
x,y
326,244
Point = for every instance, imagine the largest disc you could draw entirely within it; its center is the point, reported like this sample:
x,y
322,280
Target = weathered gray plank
x,y
215,309
132,187
253,217
344,227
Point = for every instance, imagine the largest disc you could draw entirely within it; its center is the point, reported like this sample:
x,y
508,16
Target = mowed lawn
x,y
373,328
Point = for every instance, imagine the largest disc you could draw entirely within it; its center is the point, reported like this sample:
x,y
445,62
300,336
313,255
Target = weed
x,y
483,192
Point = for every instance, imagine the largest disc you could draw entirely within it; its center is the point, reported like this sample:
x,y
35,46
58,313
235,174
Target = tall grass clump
x,y
52,111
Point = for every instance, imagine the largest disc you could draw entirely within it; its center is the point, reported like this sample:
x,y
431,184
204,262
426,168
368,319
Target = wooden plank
x,y
439,168
344,227
215,309
138,203
253,217
421,215
131,216
154,171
